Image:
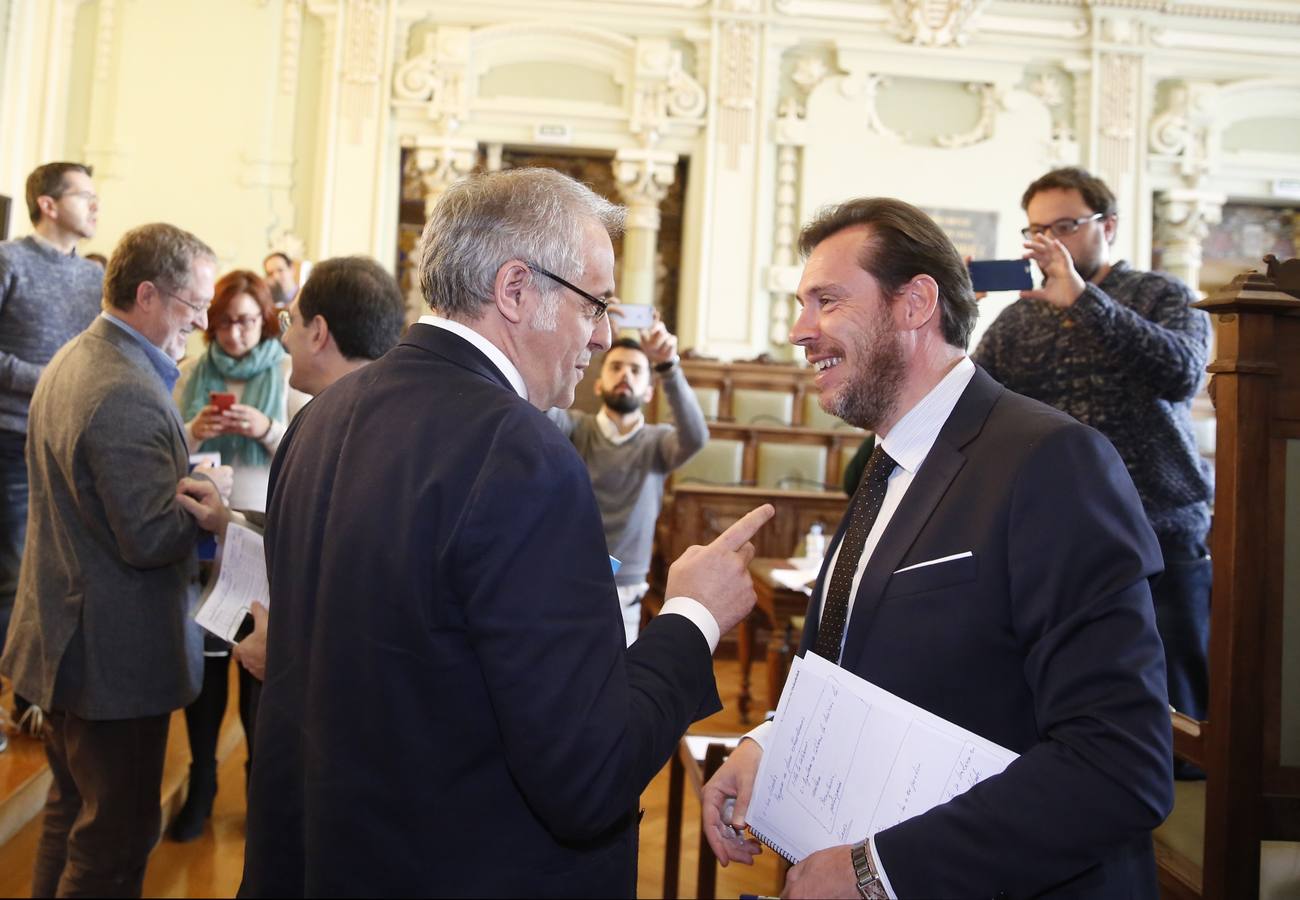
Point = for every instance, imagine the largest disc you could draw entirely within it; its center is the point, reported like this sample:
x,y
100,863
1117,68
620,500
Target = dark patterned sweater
x,y
1126,358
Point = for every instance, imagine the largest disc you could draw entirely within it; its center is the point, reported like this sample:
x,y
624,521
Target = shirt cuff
x,y
880,870
697,613
761,734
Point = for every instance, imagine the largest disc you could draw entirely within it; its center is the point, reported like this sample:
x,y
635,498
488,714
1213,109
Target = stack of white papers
x,y
848,759
241,579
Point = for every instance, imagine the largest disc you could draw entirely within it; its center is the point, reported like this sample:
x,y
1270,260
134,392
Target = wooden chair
x,y
1250,745
697,758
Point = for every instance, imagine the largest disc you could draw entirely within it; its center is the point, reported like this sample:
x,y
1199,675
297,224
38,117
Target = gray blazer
x,y
103,625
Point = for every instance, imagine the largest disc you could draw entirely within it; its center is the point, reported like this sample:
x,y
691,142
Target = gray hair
x,y
531,214
158,253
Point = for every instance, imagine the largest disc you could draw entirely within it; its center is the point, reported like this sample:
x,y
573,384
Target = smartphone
x,y
1001,275
635,315
222,400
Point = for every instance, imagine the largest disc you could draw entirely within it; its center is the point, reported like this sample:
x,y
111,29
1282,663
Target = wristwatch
x,y
667,365
869,886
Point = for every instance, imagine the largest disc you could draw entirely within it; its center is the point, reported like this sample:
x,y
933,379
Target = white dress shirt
x,y
692,609
908,444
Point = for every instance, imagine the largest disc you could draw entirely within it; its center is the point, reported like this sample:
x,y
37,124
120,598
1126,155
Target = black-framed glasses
x,y
198,309
1061,227
602,306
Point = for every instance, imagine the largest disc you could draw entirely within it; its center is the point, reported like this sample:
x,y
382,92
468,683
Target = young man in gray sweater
x,y
628,458
48,295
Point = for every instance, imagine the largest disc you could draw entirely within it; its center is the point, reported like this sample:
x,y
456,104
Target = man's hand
x,y
718,575
734,780
222,476
826,873
201,499
1062,285
658,343
251,651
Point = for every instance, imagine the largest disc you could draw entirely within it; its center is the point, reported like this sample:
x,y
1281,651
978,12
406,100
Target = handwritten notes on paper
x,y
241,579
848,759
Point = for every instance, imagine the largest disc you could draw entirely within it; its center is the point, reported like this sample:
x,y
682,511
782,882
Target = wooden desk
x,y
776,605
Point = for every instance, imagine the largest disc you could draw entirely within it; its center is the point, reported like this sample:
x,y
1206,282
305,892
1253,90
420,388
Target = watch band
x,y
864,868
667,365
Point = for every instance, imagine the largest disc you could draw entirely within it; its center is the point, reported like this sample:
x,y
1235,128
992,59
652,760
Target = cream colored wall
x,y
174,102
279,123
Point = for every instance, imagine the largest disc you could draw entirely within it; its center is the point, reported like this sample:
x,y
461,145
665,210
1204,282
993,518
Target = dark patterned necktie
x,y
867,500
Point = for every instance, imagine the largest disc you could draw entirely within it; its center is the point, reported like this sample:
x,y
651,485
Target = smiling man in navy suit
x,y
449,706
994,567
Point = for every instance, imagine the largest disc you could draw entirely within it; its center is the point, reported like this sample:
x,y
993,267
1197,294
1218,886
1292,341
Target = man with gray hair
x,y
102,636
440,579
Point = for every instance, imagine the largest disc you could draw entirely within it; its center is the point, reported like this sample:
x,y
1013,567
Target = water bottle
x,y
814,542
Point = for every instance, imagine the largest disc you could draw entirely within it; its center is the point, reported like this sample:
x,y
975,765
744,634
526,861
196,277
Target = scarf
x,y
264,389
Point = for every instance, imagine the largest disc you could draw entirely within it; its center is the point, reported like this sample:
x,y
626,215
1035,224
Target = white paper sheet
x,y
796,579
241,579
848,759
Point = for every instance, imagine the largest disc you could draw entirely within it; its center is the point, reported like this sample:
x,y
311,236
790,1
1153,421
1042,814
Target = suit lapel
x,y
941,466
148,376
927,489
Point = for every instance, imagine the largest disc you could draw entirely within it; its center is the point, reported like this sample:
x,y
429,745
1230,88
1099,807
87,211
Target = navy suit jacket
x,y
449,708
1043,640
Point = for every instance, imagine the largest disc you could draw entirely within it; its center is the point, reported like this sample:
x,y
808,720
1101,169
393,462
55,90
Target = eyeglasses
x,y
602,306
1061,227
245,323
89,196
197,308
285,318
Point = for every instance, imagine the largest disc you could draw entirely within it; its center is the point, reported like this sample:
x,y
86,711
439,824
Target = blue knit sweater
x,y
46,299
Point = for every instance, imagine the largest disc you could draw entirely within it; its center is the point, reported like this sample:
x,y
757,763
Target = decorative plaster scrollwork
x,y
991,101
936,23
441,163
105,25
438,77
737,6
664,90
643,177
1183,220
737,84
290,46
1117,121
868,88
363,62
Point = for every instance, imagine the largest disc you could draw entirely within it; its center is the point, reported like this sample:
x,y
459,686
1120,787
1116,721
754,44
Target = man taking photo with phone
x,y
1123,351
629,459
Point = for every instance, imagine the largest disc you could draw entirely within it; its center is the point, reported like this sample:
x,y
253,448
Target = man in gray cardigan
x,y
48,294
102,635
628,459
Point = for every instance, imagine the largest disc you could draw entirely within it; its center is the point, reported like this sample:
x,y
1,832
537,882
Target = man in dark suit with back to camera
x,y
994,568
449,708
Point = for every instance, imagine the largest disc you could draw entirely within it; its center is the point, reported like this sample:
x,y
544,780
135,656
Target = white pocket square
x,y
933,562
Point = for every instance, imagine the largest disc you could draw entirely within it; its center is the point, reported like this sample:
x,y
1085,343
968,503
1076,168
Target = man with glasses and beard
x,y
1124,352
628,459
993,568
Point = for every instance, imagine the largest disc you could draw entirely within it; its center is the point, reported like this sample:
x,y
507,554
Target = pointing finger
x,y
744,528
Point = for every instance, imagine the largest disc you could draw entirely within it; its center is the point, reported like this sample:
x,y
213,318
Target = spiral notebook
x,y
847,759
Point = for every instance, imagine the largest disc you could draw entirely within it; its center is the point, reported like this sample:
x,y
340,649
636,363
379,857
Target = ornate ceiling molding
x,y
1225,11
